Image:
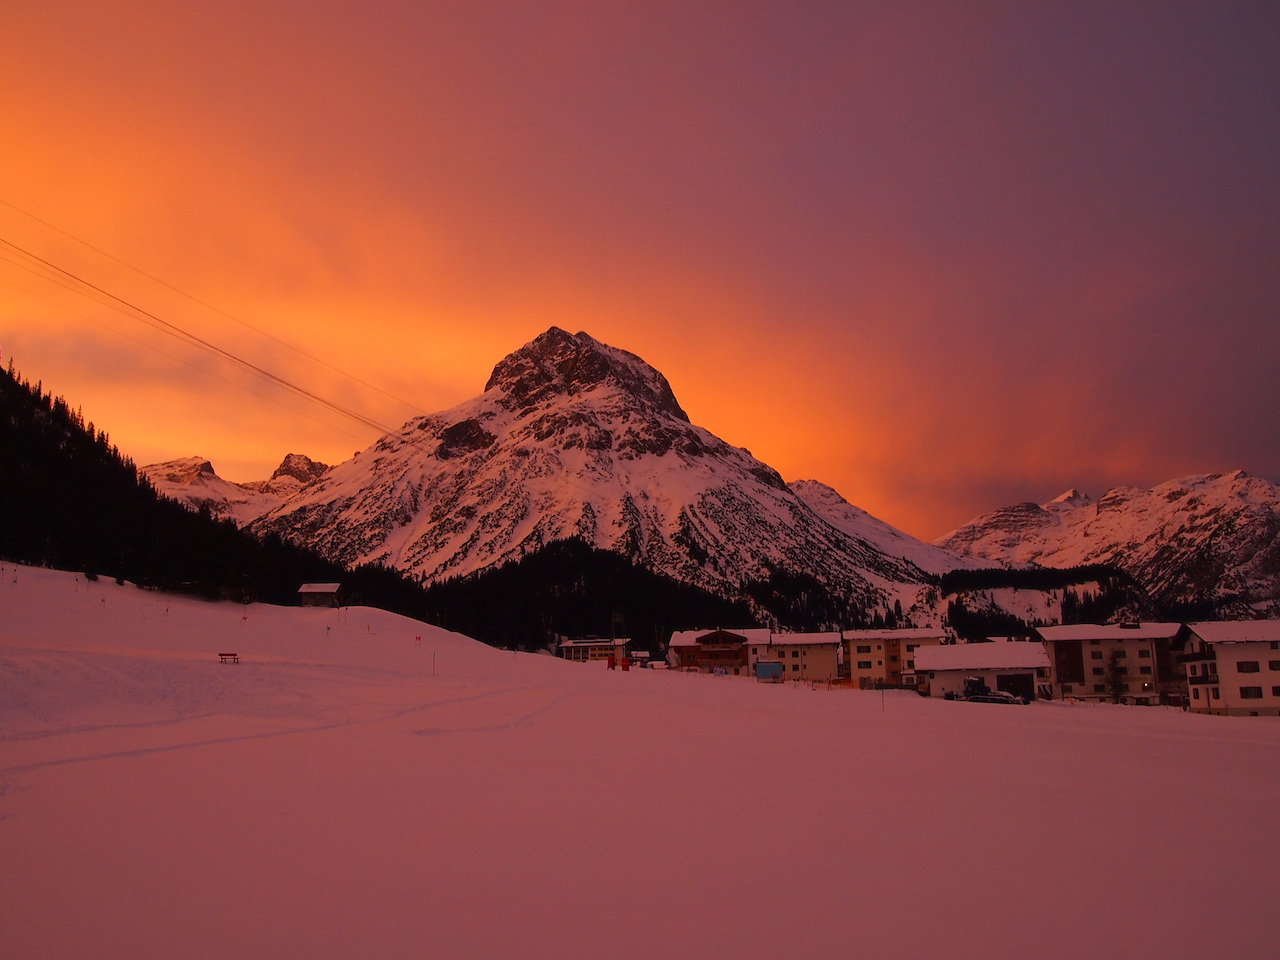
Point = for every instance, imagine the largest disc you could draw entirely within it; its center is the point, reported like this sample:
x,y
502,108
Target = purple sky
x,y
943,259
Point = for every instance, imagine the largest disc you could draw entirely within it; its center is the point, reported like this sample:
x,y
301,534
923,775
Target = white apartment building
x,y
1233,667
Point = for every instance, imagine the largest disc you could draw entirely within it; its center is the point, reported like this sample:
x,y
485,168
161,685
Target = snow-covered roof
x,y
1111,631
982,656
689,638
1237,631
806,639
320,588
907,633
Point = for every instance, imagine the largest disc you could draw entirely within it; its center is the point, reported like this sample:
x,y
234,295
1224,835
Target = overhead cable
x,y
190,338
208,306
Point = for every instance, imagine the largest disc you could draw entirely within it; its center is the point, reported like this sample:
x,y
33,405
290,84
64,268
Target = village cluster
x,y
1222,667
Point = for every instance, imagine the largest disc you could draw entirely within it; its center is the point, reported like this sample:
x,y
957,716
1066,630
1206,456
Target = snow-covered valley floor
x,y
345,792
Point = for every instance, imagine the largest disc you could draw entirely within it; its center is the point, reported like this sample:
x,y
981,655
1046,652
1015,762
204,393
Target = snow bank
x,y
348,790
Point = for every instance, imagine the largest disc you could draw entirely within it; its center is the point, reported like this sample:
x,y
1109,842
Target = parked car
x,y
995,696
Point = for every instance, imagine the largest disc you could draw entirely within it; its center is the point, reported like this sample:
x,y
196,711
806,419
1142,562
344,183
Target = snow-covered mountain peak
x,y
575,438
299,467
560,364
1072,498
182,471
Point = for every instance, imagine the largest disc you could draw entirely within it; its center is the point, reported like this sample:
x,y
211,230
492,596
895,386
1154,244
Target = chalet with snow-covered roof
x,y
1233,667
320,595
1116,662
875,658
1021,668
713,651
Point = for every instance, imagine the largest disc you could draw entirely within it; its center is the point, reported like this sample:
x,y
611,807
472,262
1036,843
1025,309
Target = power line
x,y
171,356
209,306
190,338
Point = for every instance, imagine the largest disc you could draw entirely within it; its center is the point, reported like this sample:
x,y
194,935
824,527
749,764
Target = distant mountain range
x,y
193,481
1210,540
572,438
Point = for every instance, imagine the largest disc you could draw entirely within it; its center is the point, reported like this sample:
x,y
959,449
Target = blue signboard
x,y
769,671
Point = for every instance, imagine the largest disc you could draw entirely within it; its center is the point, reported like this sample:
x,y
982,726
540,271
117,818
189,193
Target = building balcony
x,y
1196,657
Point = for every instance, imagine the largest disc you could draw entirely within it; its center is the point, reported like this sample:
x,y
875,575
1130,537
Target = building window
x,y
1193,671
1250,693
911,647
911,664
1095,654
1195,693
1099,688
1145,653
1120,654
1247,666
795,654
1214,693
795,668
1275,691
1098,671
864,648
1273,664
864,664
1095,642
1144,669
1122,671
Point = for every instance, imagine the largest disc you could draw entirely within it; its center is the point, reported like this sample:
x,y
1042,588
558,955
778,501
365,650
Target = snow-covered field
x,y
346,792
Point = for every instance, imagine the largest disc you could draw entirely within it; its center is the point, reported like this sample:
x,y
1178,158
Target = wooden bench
x,y
228,658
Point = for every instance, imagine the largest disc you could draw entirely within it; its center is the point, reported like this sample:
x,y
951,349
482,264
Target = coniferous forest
x,y
573,589
70,500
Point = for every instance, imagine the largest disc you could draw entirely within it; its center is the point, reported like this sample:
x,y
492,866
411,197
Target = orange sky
x,y
941,260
